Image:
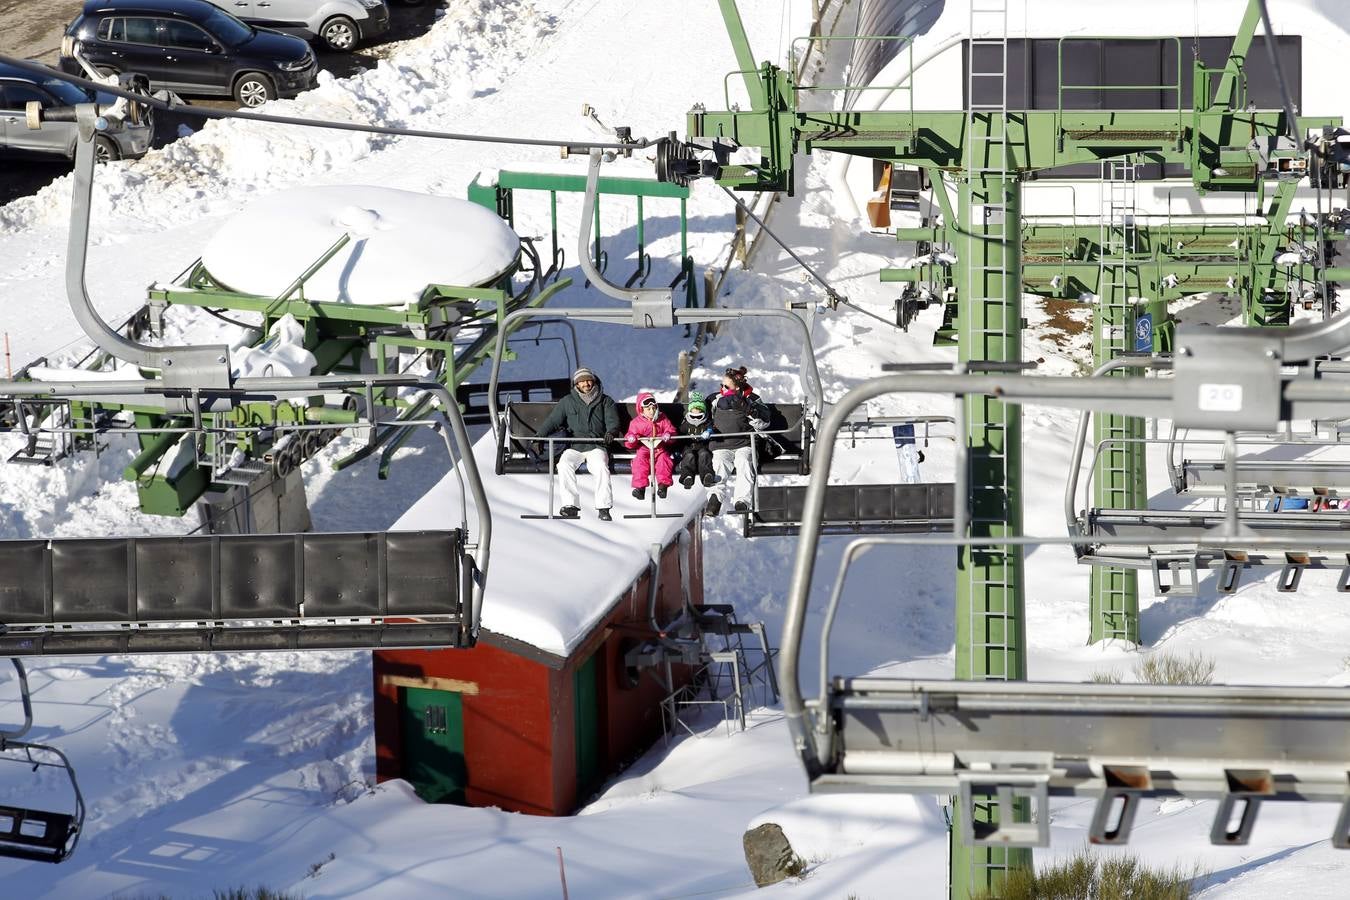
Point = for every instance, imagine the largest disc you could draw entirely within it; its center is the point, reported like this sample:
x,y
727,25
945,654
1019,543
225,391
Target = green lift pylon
x,y
990,602
1119,477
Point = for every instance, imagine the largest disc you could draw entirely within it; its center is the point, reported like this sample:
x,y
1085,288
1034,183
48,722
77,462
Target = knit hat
x,y
583,372
697,410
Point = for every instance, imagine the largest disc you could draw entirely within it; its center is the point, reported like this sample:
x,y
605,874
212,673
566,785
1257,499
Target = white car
x,y
339,24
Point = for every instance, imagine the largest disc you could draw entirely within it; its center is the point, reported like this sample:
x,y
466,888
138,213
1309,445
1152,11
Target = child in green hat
x,y
696,460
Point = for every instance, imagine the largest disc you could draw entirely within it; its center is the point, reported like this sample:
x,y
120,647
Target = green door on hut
x,y
586,703
433,744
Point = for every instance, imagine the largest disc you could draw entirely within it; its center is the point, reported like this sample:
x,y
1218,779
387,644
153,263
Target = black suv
x,y
191,47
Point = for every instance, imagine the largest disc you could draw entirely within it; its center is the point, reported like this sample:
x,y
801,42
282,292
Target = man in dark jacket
x,y
587,412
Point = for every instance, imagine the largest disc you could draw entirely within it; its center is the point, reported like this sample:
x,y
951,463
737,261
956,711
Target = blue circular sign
x,y
1143,333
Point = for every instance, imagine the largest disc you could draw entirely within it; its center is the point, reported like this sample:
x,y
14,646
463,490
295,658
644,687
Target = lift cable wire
x,y
1291,119
207,113
835,296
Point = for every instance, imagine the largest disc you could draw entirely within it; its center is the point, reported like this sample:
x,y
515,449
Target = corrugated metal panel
x,y
883,17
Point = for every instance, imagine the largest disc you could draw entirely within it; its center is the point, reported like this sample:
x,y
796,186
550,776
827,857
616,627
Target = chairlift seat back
x,y
233,592
473,398
856,509
789,429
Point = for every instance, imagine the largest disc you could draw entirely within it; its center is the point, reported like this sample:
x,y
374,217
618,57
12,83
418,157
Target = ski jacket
x,y
702,431
643,427
732,412
581,419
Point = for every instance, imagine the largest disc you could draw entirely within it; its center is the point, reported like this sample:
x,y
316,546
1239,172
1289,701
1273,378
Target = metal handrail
x,y
1061,87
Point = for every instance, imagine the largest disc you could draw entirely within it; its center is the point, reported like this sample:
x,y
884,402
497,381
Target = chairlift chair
x,y
1177,545
39,835
517,422
897,508
1032,741
244,592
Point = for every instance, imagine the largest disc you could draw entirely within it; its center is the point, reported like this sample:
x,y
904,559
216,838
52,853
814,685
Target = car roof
x,y
189,9
8,71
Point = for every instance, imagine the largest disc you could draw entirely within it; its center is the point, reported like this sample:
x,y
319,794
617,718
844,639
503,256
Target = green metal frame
x,y
1164,261
501,198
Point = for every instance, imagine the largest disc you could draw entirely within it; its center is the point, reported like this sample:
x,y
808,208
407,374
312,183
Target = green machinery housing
x,y
1127,267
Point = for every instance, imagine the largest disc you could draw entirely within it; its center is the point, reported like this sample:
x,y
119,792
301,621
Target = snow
x,y
538,592
400,242
283,354
206,772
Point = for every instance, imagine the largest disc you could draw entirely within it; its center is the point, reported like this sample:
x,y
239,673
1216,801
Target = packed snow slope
x,y
206,772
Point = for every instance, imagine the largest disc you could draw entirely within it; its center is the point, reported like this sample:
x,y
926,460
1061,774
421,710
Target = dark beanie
x,y
582,372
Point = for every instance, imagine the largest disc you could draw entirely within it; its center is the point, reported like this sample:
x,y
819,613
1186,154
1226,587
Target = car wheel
x,y
339,33
254,89
106,149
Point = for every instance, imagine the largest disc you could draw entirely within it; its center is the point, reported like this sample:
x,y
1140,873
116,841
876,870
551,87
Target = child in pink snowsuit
x,y
650,422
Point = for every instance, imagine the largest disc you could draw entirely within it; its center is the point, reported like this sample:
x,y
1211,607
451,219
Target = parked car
x,y
191,47
339,24
19,87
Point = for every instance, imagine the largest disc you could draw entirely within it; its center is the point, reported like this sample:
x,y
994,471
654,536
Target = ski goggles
x,y
696,416
649,403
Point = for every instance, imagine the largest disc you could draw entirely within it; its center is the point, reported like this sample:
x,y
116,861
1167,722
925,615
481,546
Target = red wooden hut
x,y
533,728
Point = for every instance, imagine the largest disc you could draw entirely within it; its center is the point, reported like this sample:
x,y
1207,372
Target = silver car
x,y
339,24
19,87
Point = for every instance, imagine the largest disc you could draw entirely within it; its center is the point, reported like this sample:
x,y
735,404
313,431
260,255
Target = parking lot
x,y
32,29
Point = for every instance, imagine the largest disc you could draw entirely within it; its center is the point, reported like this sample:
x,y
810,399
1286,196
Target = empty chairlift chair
x,y
1177,545
31,832
898,508
1005,741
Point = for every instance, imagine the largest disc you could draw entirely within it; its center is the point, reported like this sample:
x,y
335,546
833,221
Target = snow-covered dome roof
x,y
401,242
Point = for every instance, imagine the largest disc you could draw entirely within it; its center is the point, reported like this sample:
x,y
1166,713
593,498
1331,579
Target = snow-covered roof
x,y
551,580
401,242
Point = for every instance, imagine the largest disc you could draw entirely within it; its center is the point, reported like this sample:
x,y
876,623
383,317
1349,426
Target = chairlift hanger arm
x,y
209,363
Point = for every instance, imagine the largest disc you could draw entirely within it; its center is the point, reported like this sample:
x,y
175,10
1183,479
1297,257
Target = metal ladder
x,y
1116,475
49,440
987,156
990,581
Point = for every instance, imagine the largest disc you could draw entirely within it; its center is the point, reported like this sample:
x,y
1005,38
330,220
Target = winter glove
x,y
610,438
707,433
758,424
537,448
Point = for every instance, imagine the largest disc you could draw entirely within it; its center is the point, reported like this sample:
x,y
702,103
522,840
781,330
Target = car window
x,y
186,35
113,30
142,31
64,91
16,95
227,29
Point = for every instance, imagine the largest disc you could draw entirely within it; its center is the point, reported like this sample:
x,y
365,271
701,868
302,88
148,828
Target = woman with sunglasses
x,y
648,434
736,413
